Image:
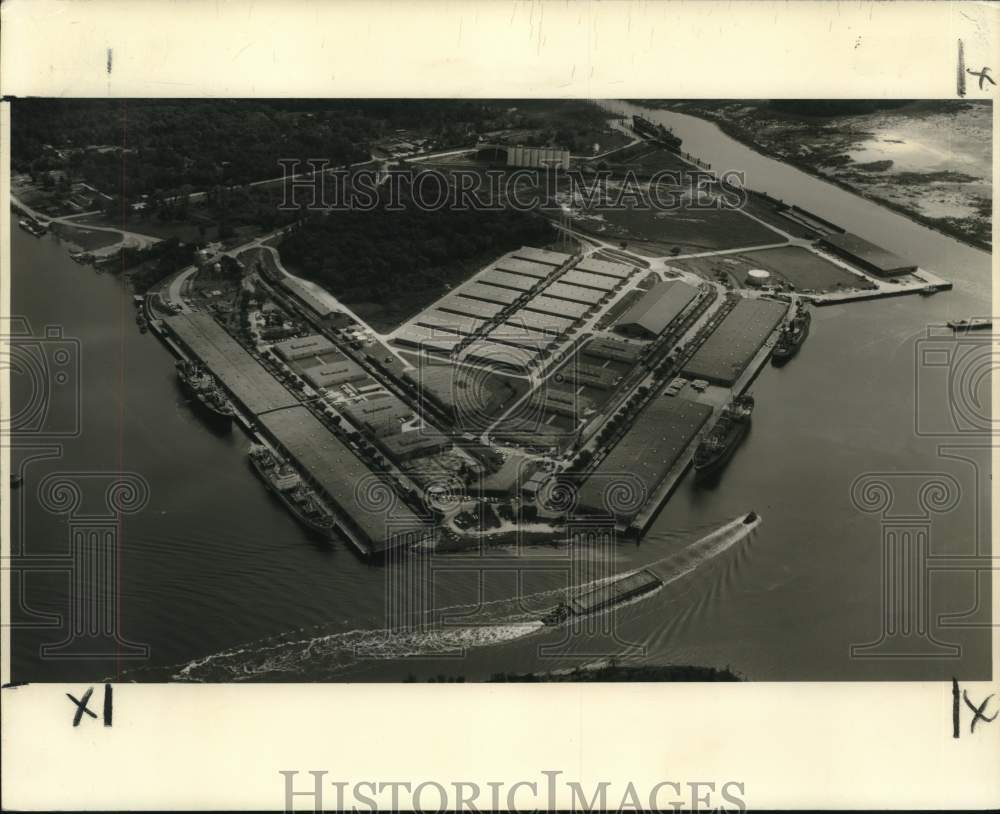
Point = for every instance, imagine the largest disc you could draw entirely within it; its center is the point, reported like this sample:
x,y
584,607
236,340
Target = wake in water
x,y
500,622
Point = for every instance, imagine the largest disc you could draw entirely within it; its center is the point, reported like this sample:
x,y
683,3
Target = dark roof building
x,y
614,349
380,414
342,477
405,446
656,439
656,309
867,255
727,352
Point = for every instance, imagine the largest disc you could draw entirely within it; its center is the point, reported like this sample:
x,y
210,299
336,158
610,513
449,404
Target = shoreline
x,y
737,134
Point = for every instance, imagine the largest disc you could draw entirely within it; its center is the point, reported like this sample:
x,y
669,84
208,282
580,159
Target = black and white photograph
x,y
684,398
501,390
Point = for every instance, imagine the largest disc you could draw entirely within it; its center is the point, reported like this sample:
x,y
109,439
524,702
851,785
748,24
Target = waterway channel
x,y
220,582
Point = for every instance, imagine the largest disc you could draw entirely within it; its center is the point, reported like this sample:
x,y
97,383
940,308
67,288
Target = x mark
x,y
978,711
81,706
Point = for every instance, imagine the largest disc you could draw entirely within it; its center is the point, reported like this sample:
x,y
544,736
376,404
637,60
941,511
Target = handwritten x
x,y
978,711
81,706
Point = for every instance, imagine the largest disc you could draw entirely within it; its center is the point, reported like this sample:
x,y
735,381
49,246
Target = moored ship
x,y
793,334
289,487
717,447
656,132
206,391
976,324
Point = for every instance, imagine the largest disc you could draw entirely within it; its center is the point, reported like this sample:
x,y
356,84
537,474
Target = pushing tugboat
x,y
717,447
793,334
290,489
206,392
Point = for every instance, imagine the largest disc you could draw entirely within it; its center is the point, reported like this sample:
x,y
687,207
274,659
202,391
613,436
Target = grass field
x,y
800,268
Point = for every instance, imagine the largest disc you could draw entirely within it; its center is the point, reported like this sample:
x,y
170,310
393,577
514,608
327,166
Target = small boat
x,y
975,324
16,481
750,519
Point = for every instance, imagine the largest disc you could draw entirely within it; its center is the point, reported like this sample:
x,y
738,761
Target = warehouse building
x,y
337,472
617,270
567,402
335,374
450,323
726,353
405,446
525,267
503,355
603,378
546,323
504,279
303,347
656,310
574,293
458,304
541,255
559,308
867,255
415,336
381,414
480,290
586,279
654,442
521,337
613,349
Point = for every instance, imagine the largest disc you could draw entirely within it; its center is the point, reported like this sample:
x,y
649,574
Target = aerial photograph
x,y
500,390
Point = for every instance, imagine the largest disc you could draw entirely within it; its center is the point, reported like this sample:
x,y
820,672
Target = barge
x,y
977,324
606,595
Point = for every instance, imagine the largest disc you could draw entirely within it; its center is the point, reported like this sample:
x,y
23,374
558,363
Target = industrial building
x,y
504,279
521,337
559,308
575,293
405,446
519,156
246,380
415,336
480,290
381,414
603,378
867,255
546,323
566,401
541,255
303,347
340,475
451,323
596,266
335,374
586,279
527,267
613,349
458,304
728,351
654,442
495,354
656,310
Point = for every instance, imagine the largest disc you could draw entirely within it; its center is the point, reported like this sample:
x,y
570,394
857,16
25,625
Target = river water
x,y
221,583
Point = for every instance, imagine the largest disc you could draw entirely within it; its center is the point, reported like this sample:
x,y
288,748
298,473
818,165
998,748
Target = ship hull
x,y
319,530
785,350
217,418
711,465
